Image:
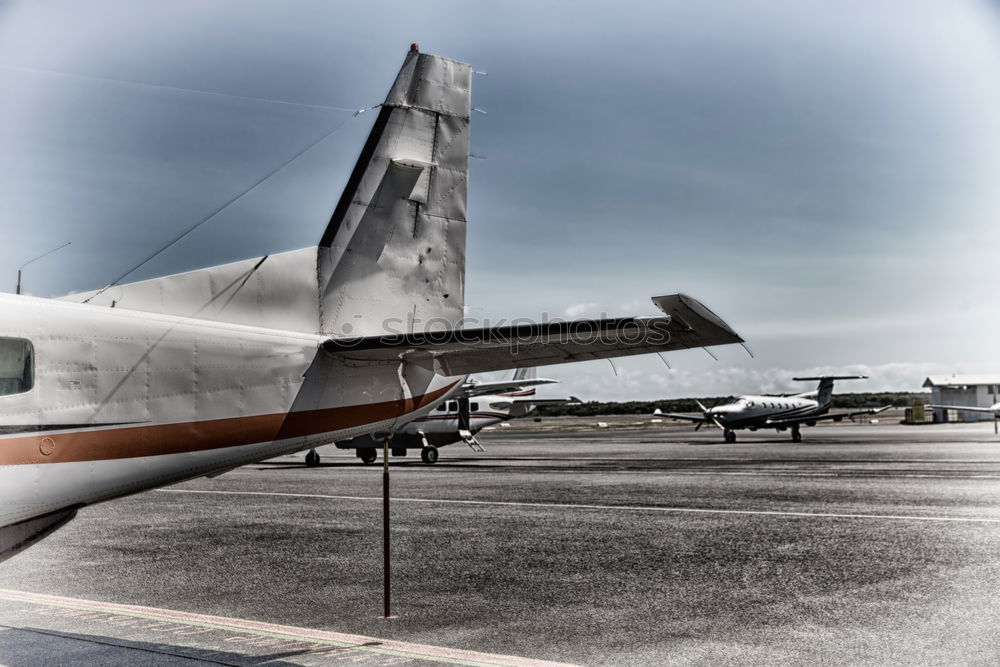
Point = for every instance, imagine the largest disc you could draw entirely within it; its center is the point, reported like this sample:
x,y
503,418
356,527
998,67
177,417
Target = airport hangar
x,y
975,390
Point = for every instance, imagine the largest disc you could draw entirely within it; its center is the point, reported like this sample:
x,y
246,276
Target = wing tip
x,y
675,305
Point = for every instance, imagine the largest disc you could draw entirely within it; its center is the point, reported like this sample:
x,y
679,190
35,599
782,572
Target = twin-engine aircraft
x,y
777,412
113,392
466,413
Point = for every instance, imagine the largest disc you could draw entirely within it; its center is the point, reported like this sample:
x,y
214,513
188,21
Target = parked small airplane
x,y
995,409
466,413
113,392
777,412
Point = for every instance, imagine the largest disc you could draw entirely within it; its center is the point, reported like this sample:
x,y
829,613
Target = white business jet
x,y
777,412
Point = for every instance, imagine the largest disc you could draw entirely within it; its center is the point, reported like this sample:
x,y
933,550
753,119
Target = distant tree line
x,y
840,401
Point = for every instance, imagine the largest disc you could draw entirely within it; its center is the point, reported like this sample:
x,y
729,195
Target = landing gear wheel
x,y
796,435
312,458
429,455
730,436
367,455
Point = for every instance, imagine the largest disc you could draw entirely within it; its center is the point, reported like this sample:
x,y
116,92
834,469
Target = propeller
x,y
709,417
704,412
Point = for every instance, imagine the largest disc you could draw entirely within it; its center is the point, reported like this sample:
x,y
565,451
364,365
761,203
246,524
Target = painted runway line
x,y
847,471
624,508
339,647
297,461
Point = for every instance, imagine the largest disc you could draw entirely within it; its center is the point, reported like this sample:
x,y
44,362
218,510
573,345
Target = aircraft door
x,y
464,415
465,425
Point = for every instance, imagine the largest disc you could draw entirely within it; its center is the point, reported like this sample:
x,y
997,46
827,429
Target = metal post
x,y
385,525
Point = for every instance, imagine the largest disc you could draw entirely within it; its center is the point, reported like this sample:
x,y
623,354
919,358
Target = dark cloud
x,y
782,160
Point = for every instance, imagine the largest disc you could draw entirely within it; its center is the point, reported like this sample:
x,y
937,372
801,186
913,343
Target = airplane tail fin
x,y
824,390
392,259
529,373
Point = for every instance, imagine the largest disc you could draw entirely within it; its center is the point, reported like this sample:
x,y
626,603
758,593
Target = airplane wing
x,y
835,416
965,408
471,389
686,324
674,415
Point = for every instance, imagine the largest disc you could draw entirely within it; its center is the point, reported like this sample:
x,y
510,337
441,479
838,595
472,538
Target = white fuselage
x,y
123,401
443,425
444,419
760,411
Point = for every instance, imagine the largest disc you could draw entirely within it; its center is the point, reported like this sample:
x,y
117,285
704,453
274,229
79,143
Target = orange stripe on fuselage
x,y
158,439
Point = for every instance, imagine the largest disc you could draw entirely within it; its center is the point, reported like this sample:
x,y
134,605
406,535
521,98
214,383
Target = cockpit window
x,y
17,366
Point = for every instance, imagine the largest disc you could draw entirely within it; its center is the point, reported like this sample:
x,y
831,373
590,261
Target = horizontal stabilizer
x,y
571,400
820,378
502,386
686,324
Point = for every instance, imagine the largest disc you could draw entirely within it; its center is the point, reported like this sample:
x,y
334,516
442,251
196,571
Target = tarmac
x,y
636,543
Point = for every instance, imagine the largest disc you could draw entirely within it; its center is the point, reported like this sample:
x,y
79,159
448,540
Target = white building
x,y
976,390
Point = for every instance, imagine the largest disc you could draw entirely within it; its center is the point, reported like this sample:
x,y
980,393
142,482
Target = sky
x,y
822,175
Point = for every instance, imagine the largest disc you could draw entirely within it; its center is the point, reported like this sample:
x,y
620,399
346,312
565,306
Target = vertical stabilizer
x,y
824,391
529,373
392,259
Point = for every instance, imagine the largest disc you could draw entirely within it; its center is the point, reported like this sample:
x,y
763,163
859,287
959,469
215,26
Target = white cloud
x,y
648,379
579,309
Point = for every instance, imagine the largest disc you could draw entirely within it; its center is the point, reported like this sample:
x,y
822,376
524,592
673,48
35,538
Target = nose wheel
x,y
312,458
729,435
